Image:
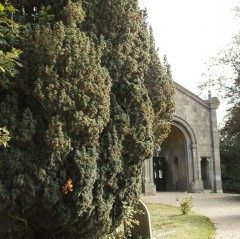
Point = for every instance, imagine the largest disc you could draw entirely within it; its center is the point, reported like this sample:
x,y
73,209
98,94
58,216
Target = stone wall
x,y
192,148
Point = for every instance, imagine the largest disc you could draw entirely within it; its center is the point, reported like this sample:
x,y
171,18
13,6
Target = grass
x,y
168,219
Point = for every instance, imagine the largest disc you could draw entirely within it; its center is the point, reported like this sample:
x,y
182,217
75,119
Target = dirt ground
x,y
223,209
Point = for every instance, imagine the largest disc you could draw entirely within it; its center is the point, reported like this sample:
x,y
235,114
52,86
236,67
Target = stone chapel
x,y
189,159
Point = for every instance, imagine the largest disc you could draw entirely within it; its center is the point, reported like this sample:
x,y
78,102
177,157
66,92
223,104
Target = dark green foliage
x,y
231,186
55,118
161,90
80,118
129,132
30,10
230,153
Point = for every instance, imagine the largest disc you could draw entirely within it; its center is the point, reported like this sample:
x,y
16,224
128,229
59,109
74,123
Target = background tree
x,y
80,117
224,76
230,154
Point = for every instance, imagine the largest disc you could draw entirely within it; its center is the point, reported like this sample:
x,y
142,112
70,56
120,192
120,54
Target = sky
x,y
190,32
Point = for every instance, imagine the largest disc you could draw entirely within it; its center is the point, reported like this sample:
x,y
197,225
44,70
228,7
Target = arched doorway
x,y
176,154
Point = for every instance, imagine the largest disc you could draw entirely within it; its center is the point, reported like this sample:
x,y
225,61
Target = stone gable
x,y
191,151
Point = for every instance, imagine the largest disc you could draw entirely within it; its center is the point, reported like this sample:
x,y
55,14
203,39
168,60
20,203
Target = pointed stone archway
x,y
191,150
179,150
174,150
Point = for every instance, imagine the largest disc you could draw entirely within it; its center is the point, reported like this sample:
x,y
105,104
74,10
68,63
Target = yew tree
x,y
55,115
80,116
128,138
158,80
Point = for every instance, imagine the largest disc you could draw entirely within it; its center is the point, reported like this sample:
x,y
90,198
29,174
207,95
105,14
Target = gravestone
x,y
144,228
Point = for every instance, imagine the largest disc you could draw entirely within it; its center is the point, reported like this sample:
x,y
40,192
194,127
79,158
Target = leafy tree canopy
x,y
9,38
224,76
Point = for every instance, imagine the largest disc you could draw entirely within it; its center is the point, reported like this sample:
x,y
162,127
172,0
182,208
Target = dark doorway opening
x,y
205,171
175,174
159,171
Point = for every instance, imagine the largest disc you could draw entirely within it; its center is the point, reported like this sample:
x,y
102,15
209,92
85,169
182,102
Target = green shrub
x,y
186,204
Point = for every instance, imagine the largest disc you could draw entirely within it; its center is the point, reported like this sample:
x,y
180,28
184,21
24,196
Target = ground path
x,y
223,209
